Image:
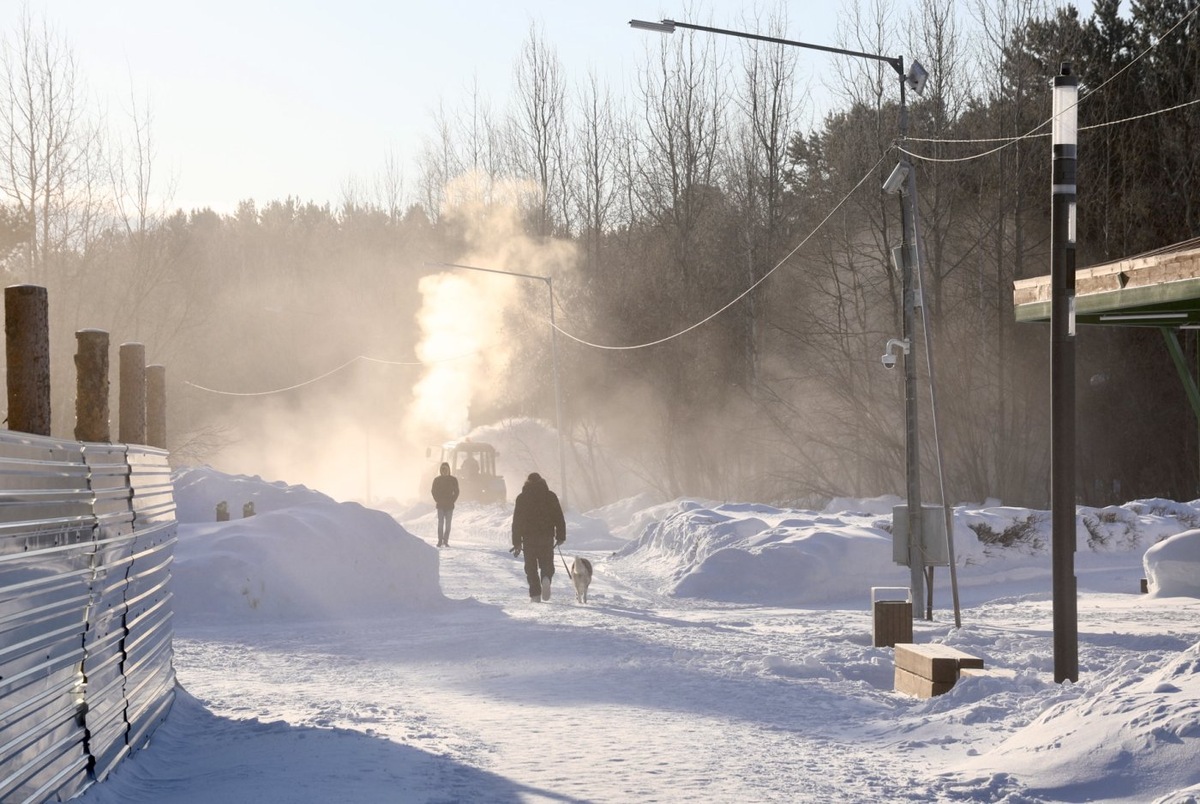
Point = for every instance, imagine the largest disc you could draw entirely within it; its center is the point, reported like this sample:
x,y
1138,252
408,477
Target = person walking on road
x,y
538,526
445,493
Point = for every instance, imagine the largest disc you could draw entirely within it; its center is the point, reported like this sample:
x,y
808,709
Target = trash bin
x,y
893,616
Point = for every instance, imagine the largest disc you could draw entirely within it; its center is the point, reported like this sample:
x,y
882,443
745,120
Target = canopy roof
x,y
1156,289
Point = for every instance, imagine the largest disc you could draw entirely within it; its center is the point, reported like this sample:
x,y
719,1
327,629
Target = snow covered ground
x,y
328,652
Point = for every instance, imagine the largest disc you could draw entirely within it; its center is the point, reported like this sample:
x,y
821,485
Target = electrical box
x,y
933,535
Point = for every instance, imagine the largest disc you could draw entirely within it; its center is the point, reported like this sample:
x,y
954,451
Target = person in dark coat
x,y
538,526
445,493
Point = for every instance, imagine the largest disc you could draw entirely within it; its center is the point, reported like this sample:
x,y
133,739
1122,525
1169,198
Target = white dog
x,y
581,576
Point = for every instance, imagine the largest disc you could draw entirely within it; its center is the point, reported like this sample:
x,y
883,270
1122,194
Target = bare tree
x,y
766,99
390,187
678,160
539,131
440,162
595,193
48,157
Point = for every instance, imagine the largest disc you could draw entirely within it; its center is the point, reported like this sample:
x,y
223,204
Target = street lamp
x,y
914,78
562,455
902,181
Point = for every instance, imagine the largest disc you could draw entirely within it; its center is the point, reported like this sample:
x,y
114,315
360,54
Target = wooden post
x,y
27,333
156,406
132,427
91,386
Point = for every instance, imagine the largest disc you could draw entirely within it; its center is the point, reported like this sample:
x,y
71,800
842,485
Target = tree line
x,y
711,189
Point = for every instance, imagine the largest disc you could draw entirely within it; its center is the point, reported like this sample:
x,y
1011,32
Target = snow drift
x,y
1173,566
301,556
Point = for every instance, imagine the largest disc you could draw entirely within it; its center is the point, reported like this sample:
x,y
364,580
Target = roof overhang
x,y
1156,289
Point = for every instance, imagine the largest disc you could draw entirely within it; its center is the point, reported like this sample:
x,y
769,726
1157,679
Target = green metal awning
x,y
1157,289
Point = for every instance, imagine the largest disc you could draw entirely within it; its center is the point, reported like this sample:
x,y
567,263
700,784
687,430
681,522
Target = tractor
x,y
474,464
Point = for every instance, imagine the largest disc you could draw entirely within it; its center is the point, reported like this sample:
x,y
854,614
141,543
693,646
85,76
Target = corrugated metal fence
x,y
87,535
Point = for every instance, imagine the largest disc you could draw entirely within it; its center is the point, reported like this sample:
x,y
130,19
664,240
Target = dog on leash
x,y
581,576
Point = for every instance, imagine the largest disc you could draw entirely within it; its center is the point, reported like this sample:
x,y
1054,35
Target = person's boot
x,y
545,588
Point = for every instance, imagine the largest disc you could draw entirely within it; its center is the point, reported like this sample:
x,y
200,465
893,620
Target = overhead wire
x,y
741,295
316,379
331,372
1033,131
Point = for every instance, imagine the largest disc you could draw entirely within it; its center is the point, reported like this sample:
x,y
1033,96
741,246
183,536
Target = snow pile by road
x,y
1124,739
302,555
760,554
1173,566
776,556
199,489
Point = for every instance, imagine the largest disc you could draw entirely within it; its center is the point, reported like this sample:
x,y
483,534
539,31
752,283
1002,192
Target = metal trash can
x,y
893,617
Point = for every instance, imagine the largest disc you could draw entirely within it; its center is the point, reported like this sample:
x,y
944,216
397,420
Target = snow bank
x,y
779,556
1003,532
1135,738
760,554
1173,566
869,506
301,556
199,489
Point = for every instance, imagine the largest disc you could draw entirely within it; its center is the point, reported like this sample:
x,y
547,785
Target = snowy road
x,y
637,697
626,699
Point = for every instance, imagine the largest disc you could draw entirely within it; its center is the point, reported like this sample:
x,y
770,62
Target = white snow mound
x,y
1133,739
318,559
1173,566
760,554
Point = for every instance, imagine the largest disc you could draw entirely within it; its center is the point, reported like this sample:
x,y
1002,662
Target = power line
x,y
347,364
316,379
1031,133
741,295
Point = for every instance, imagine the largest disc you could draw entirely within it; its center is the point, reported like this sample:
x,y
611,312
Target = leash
x,y
564,561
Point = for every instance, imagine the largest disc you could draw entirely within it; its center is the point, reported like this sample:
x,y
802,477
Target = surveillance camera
x,y
895,180
889,360
916,78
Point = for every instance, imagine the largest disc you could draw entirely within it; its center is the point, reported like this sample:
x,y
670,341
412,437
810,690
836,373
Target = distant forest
x,y
668,207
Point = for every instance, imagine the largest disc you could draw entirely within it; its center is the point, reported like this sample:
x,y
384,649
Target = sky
x,y
328,651
264,100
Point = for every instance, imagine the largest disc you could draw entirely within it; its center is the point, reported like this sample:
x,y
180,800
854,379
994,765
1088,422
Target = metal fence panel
x,y
104,640
87,535
46,549
149,669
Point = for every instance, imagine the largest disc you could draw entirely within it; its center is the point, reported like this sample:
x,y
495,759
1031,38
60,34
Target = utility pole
x,y
1062,376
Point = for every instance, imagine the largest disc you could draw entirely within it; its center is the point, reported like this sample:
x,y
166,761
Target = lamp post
x,y
562,455
901,181
1062,375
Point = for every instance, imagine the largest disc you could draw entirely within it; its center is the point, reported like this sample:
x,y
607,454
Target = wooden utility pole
x,y
27,336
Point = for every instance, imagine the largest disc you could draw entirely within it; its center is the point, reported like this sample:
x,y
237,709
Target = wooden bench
x,y
1005,673
929,670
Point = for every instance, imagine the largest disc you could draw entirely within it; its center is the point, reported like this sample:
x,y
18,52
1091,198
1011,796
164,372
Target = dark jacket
x,y
537,516
445,490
